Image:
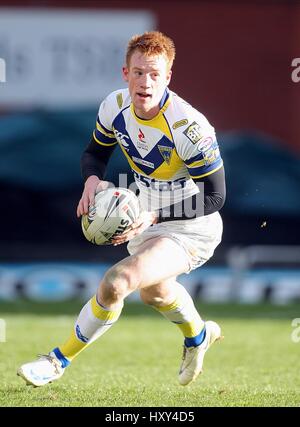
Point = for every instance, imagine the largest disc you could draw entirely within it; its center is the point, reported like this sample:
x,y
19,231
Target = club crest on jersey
x,y
193,132
166,153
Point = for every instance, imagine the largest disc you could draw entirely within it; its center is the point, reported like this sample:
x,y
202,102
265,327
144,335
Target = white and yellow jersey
x,y
164,153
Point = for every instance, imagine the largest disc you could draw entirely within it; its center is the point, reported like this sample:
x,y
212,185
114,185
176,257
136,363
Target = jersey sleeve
x,y
103,132
198,147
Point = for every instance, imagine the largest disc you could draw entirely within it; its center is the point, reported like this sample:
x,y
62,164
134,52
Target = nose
x,y
145,81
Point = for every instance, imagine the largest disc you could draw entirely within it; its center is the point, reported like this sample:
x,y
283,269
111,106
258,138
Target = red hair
x,y
152,43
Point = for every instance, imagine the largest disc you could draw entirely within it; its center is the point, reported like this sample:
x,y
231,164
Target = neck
x,y
147,115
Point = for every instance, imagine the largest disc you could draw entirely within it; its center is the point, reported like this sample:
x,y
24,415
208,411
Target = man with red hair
x,y
174,155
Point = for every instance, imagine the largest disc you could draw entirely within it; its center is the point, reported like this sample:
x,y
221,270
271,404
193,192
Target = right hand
x,y
92,186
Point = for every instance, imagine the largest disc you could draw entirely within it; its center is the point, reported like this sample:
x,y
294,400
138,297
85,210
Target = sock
x,y
183,313
93,321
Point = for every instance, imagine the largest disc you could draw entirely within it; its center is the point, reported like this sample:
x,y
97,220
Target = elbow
x,y
222,200
214,203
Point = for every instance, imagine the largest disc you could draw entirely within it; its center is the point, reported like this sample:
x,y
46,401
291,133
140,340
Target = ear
x,y
125,73
169,75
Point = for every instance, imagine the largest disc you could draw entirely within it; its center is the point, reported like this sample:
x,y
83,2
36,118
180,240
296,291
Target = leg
x,y
145,268
173,302
156,261
134,272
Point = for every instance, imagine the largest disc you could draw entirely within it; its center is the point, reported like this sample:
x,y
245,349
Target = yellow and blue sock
x,y
93,321
183,313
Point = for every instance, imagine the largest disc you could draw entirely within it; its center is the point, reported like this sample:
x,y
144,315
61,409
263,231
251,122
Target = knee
x,y
156,296
117,283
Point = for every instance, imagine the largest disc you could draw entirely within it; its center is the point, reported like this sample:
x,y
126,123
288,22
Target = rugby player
x,y
174,155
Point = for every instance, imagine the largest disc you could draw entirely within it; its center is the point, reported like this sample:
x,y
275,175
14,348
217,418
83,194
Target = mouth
x,y
143,95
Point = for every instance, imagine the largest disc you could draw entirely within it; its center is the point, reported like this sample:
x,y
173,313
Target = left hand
x,y
141,224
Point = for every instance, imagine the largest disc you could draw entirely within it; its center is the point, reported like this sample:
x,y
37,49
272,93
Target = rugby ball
x,y
114,210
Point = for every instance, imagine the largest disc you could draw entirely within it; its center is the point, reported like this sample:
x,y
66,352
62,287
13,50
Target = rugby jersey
x,y
164,153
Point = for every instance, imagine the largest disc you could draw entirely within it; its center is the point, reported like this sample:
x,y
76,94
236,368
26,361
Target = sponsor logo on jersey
x,y
121,138
166,153
180,123
209,150
143,162
141,136
157,185
193,132
205,144
141,143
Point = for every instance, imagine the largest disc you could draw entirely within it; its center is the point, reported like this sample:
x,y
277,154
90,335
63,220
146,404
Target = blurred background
x,y
236,63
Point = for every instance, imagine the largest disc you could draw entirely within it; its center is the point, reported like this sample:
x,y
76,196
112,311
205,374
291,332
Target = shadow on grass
x,y
72,307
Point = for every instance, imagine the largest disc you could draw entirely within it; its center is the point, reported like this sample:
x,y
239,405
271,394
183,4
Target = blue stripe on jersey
x,y
194,159
164,98
103,138
195,172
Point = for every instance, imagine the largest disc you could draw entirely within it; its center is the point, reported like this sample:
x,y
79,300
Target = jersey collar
x,y
163,105
164,98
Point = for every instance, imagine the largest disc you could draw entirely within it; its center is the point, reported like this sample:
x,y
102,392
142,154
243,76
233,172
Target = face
x,y
147,77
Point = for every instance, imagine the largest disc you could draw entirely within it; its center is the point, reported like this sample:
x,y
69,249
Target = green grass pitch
x,y
136,362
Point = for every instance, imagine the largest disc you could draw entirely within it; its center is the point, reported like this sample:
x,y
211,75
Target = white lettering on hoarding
x,y
296,72
65,57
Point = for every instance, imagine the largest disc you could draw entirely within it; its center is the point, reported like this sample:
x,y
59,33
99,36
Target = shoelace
x,y
52,360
